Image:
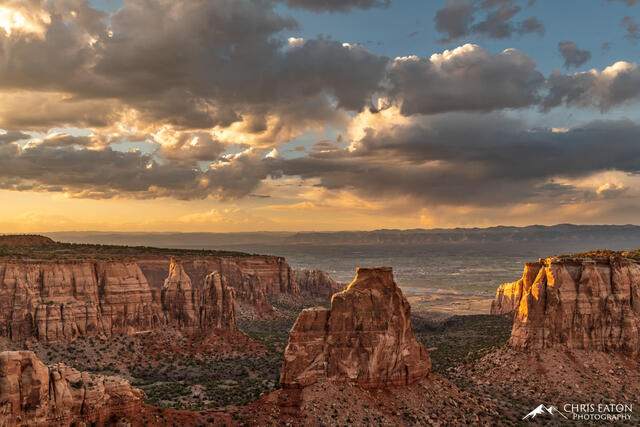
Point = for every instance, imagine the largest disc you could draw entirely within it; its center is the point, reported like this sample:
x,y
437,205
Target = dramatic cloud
x,y
458,19
63,164
615,85
12,136
335,5
572,54
467,78
475,159
195,100
192,65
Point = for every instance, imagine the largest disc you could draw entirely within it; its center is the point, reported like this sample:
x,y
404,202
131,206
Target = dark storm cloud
x,y
335,5
107,173
202,64
12,136
456,159
194,146
195,65
572,54
475,159
466,79
632,28
615,85
458,19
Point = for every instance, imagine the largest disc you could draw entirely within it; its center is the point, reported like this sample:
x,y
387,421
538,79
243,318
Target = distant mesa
x,y
589,302
365,338
25,240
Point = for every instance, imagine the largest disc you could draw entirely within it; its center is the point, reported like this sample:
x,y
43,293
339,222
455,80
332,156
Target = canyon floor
x,y
476,377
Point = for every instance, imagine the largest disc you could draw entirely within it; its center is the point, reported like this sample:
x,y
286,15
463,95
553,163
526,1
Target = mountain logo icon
x,y
544,410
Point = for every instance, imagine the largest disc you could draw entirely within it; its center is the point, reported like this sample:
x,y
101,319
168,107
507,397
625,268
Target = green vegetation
x,y
73,251
462,339
604,253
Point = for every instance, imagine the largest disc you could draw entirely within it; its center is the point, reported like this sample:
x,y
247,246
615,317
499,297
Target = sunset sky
x,y
246,115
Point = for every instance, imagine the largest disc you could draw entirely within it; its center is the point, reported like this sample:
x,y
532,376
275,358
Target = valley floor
x,y
476,377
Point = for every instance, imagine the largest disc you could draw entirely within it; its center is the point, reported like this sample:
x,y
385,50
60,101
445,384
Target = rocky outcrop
x,y
316,283
178,296
217,304
253,278
508,295
581,303
36,395
210,307
58,301
365,338
61,301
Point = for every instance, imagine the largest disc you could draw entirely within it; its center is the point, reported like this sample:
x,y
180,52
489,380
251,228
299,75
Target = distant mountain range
x,y
589,236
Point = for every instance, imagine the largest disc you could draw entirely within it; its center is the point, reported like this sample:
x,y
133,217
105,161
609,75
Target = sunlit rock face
x,y
583,303
365,338
61,301
508,295
58,302
34,394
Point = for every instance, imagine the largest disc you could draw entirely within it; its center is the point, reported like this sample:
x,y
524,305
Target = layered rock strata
x,y
316,283
581,303
365,338
508,295
34,394
210,307
59,302
253,278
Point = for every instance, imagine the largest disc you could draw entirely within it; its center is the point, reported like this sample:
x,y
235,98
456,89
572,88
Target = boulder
x,y
34,394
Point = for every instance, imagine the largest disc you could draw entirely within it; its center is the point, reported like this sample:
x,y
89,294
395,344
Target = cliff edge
x,y
365,338
34,394
590,303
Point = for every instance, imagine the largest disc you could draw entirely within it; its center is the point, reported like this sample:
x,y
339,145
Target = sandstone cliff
x,y
61,301
508,295
58,302
36,395
210,307
365,338
581,303
253,278
316,283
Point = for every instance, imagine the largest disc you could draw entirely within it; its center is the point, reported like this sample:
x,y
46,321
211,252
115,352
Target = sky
x,y
250,115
